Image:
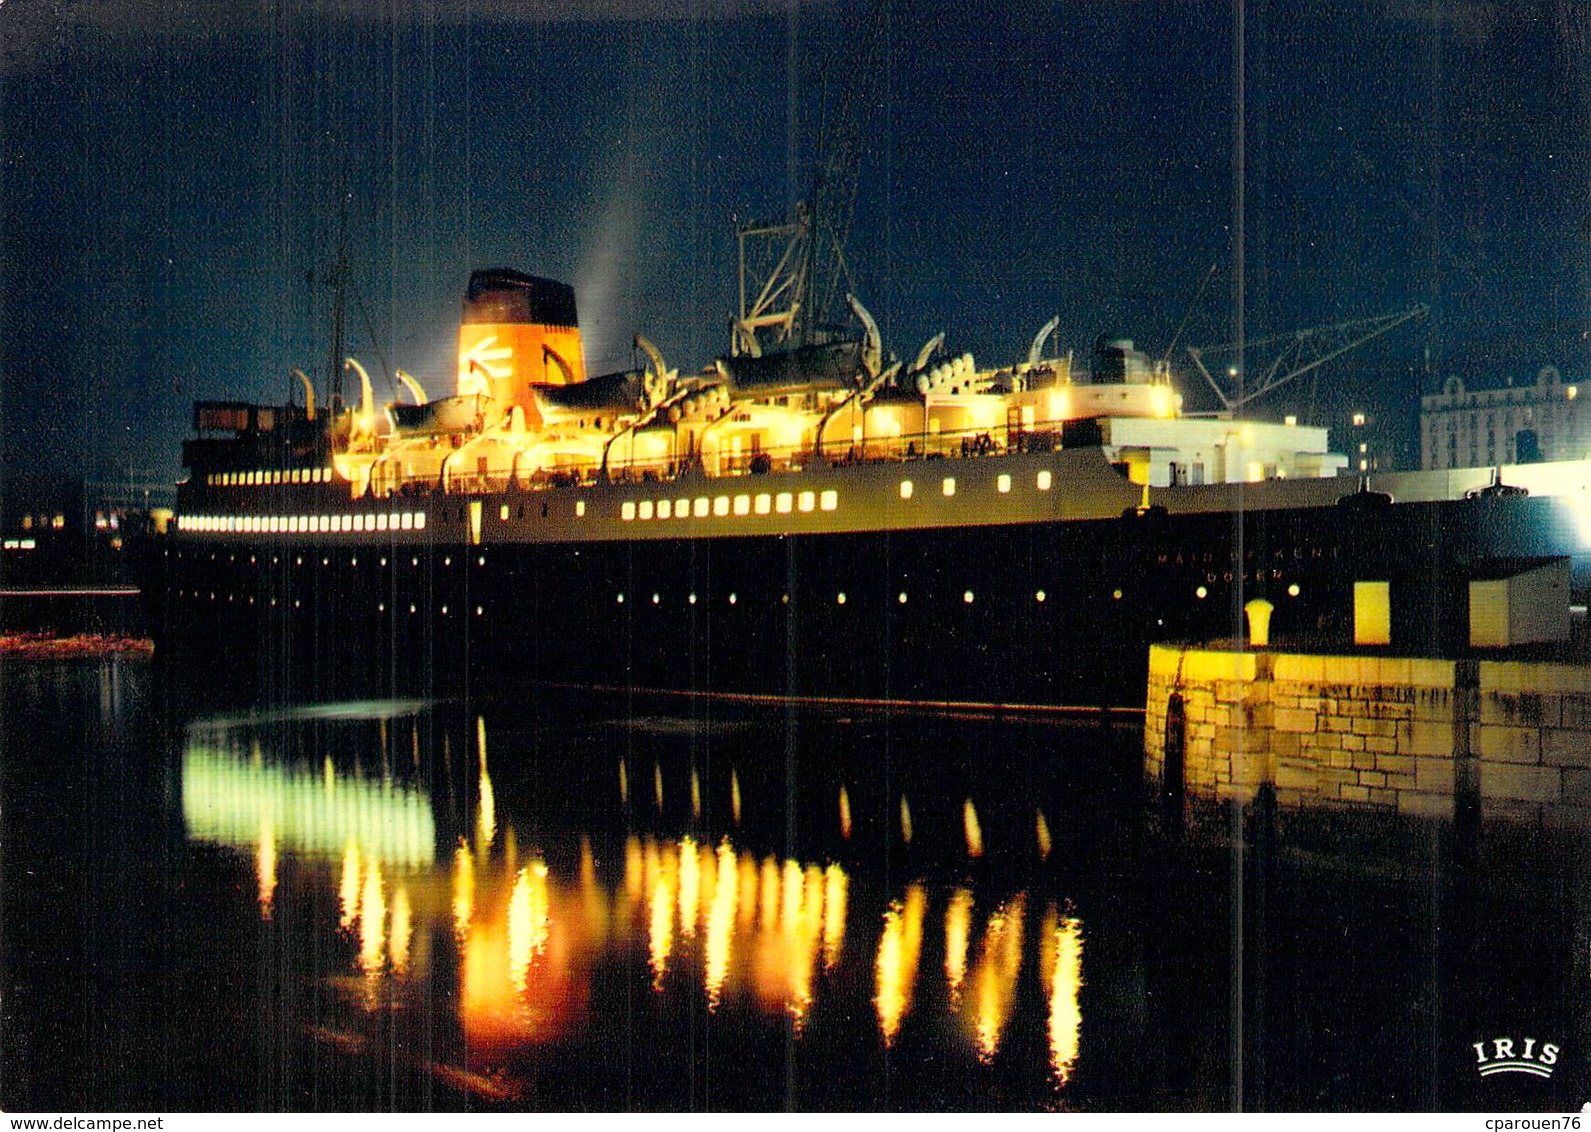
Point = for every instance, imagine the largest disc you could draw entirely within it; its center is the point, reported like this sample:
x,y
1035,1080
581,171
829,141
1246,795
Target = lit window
x,y
381,522
627,511
1358,420
1045,480
348,522
699,508
763,503
721,505
783,502
905,489
665,509
1572,392
406,520
1003,484
682,509
829,500
949,486
580,508
807,500
645,509
742,504
502,513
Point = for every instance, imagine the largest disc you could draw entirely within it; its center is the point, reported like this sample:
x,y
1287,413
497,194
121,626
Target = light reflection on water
x,y
390,906
746,930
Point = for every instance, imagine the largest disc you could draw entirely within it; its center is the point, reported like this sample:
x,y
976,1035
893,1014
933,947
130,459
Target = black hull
x,y
765,615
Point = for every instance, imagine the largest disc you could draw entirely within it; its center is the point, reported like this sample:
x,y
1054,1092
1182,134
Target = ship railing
x,y
946,444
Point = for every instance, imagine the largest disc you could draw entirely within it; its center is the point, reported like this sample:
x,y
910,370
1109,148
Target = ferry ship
x,y
812,520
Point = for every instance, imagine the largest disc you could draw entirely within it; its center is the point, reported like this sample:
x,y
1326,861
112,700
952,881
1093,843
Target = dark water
x,y
419,905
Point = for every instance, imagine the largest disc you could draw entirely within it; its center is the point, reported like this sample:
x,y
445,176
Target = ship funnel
x,y
518,331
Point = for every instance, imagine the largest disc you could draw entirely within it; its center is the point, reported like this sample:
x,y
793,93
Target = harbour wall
x,y
1390,734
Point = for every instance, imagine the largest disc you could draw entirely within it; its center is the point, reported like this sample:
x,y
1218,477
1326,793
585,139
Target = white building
x,y
1518,424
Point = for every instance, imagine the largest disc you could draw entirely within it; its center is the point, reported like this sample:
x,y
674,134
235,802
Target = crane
x,y
1297,352
791,272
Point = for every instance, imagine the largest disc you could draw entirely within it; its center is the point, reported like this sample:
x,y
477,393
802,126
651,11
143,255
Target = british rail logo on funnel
x,y
1510,1055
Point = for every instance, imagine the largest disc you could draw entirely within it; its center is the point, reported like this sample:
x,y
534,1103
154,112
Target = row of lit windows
x,y
785,502
967,596
280,475
763,503
303,524
1044,480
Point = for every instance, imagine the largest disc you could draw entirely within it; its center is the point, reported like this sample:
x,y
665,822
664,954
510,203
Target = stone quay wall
x,y
1377,733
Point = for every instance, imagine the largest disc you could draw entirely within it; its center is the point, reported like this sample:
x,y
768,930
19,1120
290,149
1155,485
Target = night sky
x,y
171,175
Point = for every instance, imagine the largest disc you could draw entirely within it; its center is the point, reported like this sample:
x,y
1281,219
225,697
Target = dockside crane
x,y
793,274
1296,353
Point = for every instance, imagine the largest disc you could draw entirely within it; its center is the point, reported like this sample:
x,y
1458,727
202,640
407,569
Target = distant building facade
x,y
1518,424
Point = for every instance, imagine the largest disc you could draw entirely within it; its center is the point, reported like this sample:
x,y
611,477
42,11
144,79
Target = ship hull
x,y
1044,611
